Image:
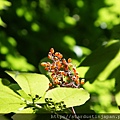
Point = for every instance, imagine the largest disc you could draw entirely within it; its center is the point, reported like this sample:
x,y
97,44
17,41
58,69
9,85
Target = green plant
x,y
35,93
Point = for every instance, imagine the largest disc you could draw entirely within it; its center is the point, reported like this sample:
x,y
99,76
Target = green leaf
x,y
70,96
24,95
33,84
24,111
4,3
2,117
82,71
102,62
85,50
5,82
16,88
99,55
9,100
117,97
26,114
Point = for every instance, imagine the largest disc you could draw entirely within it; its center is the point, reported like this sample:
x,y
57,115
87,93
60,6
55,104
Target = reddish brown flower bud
x,y
56,81
59,55
82,81
66,68
74,70
50,55
52,50
55,58
62,72
46,68
44,64
77,81
64,62
69,60
58,63
50,84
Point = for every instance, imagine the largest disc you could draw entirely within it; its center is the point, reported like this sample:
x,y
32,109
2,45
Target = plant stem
x,y
73,111
60,116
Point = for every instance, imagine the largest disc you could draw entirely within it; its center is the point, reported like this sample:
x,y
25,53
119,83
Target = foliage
x,y
103,73
85,30
31,95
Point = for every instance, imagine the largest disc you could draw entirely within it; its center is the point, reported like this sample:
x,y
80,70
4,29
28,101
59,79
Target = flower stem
x,y
73,111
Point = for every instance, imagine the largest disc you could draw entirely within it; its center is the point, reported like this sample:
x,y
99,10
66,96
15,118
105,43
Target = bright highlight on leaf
x,y
70,96
33,84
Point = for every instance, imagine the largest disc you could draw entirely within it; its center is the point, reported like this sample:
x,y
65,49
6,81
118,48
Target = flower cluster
x,y
63,73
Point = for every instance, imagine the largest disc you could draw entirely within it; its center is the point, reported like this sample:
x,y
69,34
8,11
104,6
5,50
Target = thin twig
x,y
73,111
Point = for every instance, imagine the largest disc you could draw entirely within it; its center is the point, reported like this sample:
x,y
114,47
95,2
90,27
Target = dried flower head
x,y
63,73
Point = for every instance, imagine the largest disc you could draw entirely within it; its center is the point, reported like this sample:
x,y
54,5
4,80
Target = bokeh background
x,y
88,31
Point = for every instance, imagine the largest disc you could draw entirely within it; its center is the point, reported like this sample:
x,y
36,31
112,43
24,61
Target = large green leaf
x,y
33,84
9,100
102,62
70,96
103,53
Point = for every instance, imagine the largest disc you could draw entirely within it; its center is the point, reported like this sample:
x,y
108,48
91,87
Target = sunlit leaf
x,y
82,71
70,96
24,95
16,88
117,97
9,100
33,84
4,4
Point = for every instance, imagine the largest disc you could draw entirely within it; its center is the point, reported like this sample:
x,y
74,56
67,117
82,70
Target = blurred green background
x,y
88,31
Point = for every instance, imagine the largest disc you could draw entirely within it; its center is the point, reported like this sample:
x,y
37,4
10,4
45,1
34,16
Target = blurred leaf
x,y
2,117
33,84
23,65
69,41
116,74
26,114
2,23
4,4
85,50
117,97
70,20
9,100
108,14
70,96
